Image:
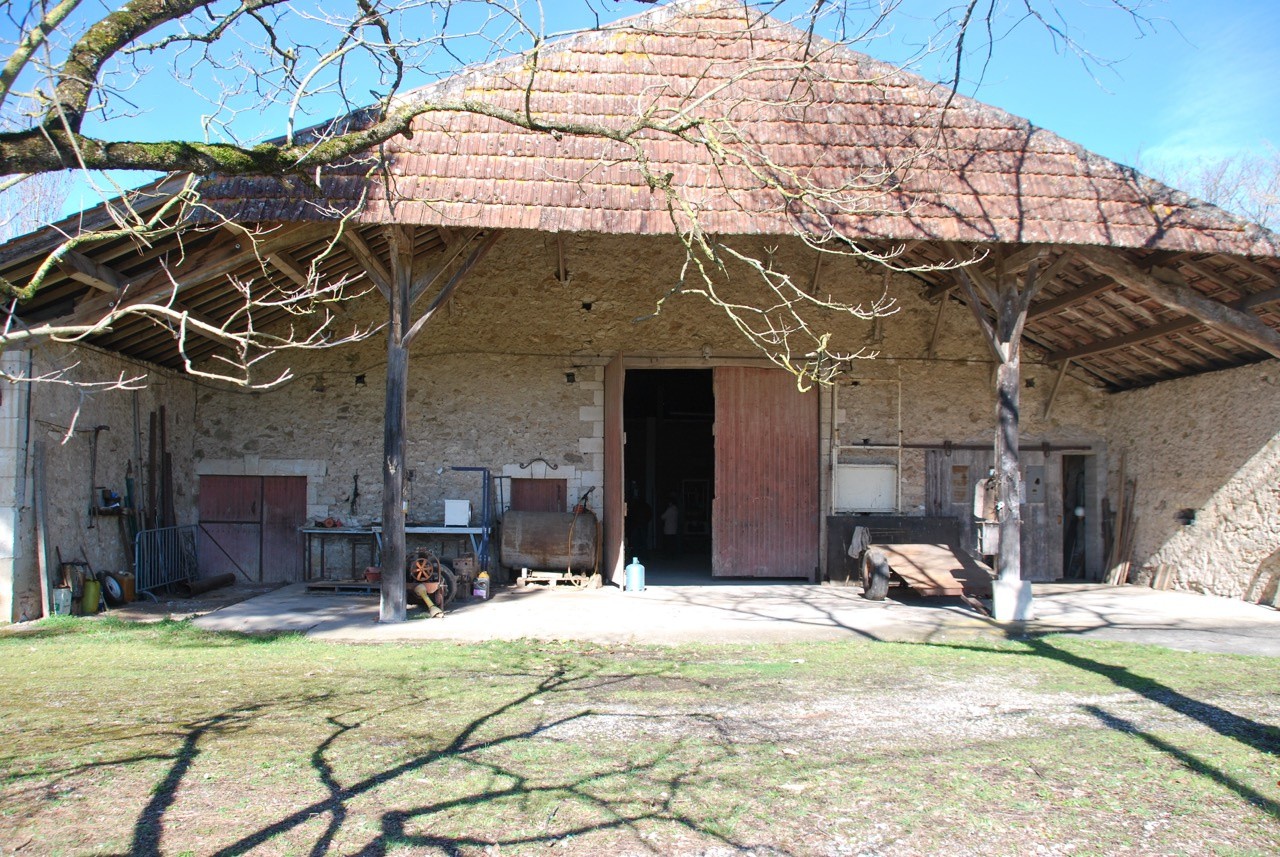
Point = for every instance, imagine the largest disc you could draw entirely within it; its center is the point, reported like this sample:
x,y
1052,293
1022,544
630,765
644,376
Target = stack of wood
x,y
1122,533
1163,577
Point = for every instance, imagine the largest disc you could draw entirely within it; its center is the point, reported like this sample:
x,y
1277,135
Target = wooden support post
x,y
392,606
1057,384
42,524
1010,303
937,325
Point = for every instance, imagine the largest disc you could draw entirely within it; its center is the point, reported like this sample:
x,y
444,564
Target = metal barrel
x,y
550,541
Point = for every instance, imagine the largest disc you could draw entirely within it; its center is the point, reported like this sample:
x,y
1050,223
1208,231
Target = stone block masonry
x,y
1205,454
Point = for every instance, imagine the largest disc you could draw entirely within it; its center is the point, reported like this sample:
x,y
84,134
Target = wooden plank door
x,y
284,511
231,526
765,514
249,525
1042,521
952,477
539,495
614,502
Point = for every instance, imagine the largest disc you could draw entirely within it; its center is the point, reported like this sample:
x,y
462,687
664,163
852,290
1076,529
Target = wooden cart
x,y
927,569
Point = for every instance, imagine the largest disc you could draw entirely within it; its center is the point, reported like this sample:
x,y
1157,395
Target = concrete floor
x,y
749,612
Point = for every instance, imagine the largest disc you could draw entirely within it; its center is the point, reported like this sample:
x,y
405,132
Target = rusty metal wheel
x,y
424,568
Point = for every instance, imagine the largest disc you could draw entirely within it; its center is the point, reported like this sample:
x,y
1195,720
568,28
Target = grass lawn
x,y
162,739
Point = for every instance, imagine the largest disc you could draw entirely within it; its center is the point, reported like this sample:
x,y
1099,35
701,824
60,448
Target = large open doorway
x,y
669,459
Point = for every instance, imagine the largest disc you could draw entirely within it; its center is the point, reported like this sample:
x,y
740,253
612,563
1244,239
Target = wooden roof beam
x,y
1168,288
368,261
82,269
213,262
1096,286
286,264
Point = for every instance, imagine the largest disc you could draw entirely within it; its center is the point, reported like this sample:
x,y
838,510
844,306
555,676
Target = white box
x,y
457,513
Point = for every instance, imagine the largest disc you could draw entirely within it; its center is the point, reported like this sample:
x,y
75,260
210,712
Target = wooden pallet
x,y
343,587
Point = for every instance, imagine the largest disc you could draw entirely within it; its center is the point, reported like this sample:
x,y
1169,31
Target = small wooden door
x,y
249,525
953,476
539,495
765,514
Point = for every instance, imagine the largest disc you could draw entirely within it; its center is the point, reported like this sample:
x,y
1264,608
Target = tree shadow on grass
x,y
605,791
1261,737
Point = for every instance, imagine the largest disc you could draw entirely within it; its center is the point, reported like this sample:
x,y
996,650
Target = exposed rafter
x,y
82,269
368,261
218,260
1168,288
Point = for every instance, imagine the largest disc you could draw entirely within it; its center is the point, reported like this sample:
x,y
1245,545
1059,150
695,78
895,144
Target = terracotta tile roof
x,y
983,175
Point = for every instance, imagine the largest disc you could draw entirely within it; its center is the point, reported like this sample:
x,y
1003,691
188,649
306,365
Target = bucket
x,y
62,602
92,592
480,589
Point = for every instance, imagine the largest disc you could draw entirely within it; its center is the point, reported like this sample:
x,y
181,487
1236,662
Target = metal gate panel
x,y
765,513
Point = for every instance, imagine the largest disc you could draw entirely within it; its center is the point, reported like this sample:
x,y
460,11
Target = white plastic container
x,y
457,513
62,602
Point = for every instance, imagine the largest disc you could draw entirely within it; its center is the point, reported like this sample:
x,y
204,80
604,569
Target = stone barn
x,y
572,353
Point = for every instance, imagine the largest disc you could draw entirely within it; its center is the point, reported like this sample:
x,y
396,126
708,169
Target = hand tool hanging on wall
x,y
151,520
93,472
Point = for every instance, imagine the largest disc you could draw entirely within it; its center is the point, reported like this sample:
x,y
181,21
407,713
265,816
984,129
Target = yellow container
x,y
92,593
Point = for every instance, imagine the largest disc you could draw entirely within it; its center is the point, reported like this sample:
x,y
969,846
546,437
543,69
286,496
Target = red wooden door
x,y
615,377
249,525
284,511
231,526
765,515
539,495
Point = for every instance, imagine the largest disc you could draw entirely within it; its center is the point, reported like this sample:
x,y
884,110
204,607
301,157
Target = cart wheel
x,y
449,583
112,591
875,576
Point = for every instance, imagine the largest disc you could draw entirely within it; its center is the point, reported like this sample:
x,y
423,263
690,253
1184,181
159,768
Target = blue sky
x,y
1199,81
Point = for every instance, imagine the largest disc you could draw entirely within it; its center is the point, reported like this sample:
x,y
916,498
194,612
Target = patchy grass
x,y
162,739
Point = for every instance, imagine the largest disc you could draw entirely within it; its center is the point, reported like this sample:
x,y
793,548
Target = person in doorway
x,y
671,526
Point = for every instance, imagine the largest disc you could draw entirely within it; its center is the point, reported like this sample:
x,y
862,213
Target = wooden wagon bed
x,y
929,569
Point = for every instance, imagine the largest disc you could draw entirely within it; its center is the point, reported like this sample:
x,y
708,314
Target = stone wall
x,y
62,418
511,371
1207,447
489,381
